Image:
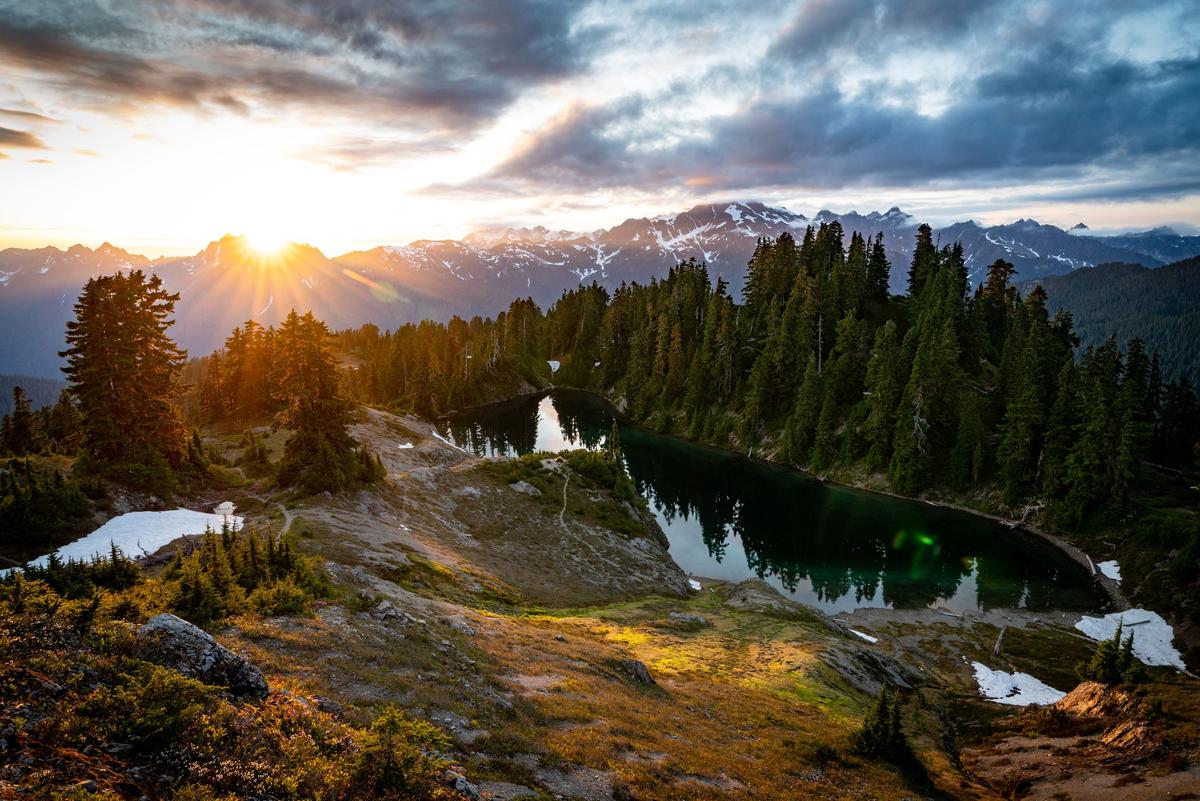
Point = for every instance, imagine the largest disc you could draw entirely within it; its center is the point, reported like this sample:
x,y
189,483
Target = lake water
x,y
834,548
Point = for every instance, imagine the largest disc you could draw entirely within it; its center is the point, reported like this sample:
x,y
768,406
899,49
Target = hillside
x,y
41,391
1128,300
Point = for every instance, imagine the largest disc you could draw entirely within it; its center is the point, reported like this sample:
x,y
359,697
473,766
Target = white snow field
x,y
864,635
1014,689
134,532
1110,569
1151,635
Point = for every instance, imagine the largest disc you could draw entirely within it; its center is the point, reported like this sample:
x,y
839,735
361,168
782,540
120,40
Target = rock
x,y
176,644
526,488
634,670
386,610
868,670
687,620
330,707
462,627
1091,699
459,783
756,595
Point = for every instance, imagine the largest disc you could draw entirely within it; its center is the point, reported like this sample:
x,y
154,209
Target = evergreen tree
x,y
878,272
884,386
319,455
122,368
21,431
924,261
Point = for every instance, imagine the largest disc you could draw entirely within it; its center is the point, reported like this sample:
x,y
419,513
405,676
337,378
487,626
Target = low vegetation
x,y
80,709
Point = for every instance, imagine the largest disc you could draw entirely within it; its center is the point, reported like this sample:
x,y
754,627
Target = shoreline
x,y
1110,588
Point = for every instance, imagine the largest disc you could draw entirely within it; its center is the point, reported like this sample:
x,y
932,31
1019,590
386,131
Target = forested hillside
x,y
40,391
1128,300
977,393
821,368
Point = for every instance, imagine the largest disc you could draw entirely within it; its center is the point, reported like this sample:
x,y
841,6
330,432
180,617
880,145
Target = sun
x,y
266,240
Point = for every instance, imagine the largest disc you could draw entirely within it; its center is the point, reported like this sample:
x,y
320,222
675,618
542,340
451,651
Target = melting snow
x,y
437,434
1014,689
866,637
695,585
135,532
734,211
405,446
1151,635
1110,569
270,300
554,365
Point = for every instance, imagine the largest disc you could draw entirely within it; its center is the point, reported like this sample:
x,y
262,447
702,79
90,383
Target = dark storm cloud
x,y
1058,107
13,138
451,64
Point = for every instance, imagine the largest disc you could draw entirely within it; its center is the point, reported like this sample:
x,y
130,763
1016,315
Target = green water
x,y
835,548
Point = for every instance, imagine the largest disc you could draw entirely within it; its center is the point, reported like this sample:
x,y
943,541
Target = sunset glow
x,y
160,131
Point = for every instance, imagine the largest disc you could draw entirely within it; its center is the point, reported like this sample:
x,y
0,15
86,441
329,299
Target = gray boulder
x,y
687,620
526,488
635,671
176,644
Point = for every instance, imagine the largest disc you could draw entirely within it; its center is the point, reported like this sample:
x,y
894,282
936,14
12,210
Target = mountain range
x,y
228,282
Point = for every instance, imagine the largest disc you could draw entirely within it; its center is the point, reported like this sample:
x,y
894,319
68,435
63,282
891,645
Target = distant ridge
x,y
1161,306
227,283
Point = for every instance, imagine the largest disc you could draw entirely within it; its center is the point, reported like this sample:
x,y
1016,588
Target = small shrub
x,y
393,762
281,598
149,708
1112,662
882,733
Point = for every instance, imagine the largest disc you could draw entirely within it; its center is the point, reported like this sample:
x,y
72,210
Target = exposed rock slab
x,y
174,643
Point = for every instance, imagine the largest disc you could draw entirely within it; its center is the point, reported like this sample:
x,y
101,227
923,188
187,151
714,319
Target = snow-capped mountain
x,y
228,283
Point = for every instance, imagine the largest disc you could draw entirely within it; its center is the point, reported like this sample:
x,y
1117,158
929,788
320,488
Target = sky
x,y
347,124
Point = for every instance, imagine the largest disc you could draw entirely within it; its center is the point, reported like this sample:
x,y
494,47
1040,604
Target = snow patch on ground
x,y
695,585
1151,635
554,365
405,446
135,532
439,436
1110,569
866,637
1013,689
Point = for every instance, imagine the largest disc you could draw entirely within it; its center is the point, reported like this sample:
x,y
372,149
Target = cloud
x,y
1055,109
355,153
824,26
449,64
27,116
10,137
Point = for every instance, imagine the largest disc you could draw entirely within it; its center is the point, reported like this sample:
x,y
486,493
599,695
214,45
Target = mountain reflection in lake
x,y
838,549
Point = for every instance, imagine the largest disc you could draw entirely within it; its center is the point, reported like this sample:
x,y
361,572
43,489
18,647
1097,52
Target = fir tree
x,y
122,368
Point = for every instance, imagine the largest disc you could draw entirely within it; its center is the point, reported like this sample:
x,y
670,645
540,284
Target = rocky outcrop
x,y
687,621
756,595
1091,699
634,671
176,644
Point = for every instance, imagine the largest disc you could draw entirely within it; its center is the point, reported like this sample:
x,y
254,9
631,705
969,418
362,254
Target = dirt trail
x,y
562,512
288,517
